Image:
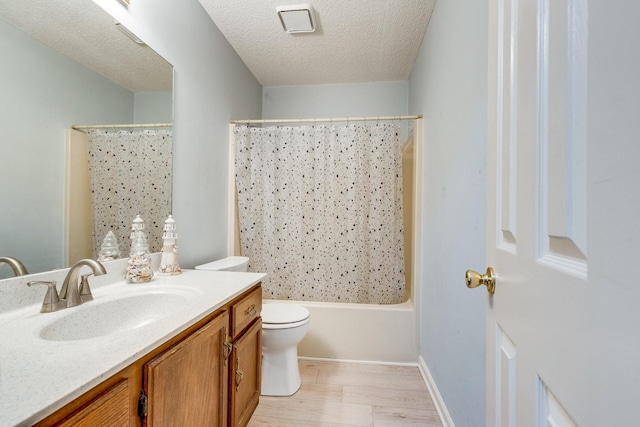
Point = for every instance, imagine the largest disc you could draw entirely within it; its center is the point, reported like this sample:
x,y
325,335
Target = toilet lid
x,y
275,313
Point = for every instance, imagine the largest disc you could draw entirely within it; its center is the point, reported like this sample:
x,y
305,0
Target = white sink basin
x,y
102,317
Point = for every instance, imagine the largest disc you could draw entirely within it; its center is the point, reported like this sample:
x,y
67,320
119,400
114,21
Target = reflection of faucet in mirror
x,y
18,268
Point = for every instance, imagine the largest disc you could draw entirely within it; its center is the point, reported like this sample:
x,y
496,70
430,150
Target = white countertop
x,y
39,376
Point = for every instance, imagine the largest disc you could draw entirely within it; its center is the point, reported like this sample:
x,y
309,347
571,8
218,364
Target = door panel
x,y
536,226
563,233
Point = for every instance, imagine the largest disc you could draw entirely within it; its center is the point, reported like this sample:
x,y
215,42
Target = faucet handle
x,y
51,298
85,290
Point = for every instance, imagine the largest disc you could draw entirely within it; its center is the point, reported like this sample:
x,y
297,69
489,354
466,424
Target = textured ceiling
x,y
83,31
355,40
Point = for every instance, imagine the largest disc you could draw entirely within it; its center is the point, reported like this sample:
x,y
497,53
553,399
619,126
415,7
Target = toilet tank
x,y
232,263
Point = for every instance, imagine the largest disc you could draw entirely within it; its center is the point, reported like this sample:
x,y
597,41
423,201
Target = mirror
x,y
64,63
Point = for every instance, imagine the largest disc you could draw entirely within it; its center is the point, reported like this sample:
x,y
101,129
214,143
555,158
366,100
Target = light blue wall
x,y
448,85
335,100
43,93
153,107
211,86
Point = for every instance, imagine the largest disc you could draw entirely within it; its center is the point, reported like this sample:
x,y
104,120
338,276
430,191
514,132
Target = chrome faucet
x,y
18,268
71,293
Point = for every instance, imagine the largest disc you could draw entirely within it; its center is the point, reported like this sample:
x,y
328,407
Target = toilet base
x,y
280,372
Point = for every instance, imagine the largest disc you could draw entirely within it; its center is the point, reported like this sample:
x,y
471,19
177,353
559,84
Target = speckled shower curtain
x,y
130,174
320,211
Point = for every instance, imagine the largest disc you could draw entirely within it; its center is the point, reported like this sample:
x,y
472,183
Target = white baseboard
x,y
362,362
435,394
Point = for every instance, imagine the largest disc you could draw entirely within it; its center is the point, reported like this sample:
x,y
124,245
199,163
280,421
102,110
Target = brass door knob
x,y
475,279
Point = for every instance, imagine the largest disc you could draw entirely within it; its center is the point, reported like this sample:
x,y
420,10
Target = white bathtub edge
x,y
443,412
369,332
402,306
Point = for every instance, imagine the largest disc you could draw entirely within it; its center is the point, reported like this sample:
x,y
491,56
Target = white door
x,y
563,327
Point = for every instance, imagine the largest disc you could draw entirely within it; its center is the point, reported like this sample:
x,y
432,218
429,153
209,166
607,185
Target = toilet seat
x,y
282,316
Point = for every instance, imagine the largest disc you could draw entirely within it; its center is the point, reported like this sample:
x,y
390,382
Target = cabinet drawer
x,y
245,310
109,409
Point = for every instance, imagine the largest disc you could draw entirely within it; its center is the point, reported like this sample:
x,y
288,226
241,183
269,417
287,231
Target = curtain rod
x,y
150,125
344,119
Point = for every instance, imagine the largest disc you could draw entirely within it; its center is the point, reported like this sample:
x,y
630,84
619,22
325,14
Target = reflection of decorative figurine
x,y
169,261
109,249
139,265
137,225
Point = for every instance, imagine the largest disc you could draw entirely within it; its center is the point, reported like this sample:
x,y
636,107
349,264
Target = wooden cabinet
x,y
244,387
111,408
186,385
246,358
208,375
211,378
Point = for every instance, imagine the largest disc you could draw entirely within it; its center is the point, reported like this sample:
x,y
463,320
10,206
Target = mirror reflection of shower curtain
x,y
320,211
130,174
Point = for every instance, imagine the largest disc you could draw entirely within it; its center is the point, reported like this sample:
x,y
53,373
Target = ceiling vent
x,y
297,18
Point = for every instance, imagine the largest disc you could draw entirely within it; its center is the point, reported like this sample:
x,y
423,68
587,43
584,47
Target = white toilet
x,y
283,327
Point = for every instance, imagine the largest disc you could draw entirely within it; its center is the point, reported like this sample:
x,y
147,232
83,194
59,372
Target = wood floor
x,y
351,394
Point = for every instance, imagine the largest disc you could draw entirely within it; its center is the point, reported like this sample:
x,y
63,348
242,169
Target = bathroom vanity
x,y
192,357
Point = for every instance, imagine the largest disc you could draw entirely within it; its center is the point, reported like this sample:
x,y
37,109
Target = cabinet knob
x,y
251,311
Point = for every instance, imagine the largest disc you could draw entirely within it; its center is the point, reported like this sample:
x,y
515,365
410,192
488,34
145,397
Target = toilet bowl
x,y
283,327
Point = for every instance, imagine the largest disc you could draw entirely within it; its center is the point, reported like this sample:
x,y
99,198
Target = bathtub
x,y
365,332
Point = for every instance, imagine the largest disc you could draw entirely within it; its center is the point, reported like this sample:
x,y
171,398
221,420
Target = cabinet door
x,y
186,385
244,384
110,409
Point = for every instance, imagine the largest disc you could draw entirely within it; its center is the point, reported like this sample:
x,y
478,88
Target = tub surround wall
x,y
408,205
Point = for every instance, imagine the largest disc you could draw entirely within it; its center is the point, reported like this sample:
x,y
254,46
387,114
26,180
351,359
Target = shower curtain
x,y
130,174
320,211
